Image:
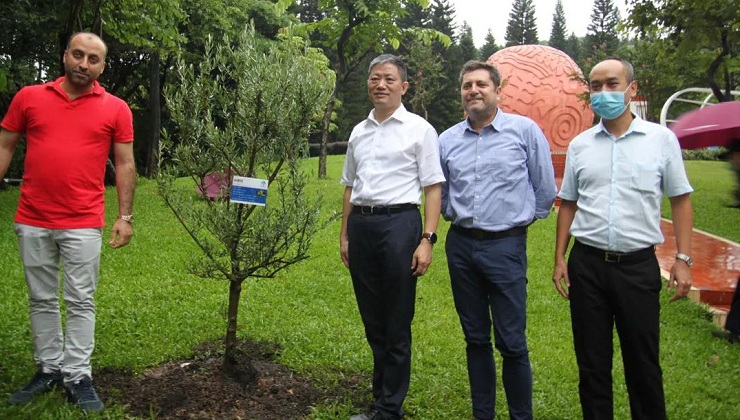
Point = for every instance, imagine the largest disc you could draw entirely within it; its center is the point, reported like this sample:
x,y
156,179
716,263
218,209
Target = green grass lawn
x,y
150,310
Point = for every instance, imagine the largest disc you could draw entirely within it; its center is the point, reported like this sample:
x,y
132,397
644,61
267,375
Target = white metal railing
x,y
676,97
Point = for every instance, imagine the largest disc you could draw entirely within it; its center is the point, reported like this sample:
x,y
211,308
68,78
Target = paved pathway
x,y
715,271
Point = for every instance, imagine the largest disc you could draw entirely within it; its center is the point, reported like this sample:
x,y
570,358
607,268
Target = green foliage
x,y
693,26
425,74
150,310
489,47
521,29
149,25
246,109
602,39
557,33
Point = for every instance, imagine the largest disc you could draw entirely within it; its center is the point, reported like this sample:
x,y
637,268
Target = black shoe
x,y
82,393
41,383
726,335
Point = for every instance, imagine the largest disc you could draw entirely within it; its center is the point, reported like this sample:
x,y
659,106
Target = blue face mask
x,y
609,105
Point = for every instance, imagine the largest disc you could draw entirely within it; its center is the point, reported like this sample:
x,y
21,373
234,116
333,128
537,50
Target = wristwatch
x,y
127,218
685,258
430,236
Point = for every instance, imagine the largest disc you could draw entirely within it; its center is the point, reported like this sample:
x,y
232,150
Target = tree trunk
x,y
326,122
235,291
714,66
155,107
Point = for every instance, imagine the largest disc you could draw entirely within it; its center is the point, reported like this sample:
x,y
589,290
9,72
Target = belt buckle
x,y
362,209
612,257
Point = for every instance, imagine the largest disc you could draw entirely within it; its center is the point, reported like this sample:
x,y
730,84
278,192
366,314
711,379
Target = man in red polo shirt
x,y
70,126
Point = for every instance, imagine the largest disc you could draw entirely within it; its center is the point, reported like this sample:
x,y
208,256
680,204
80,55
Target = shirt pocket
x,y
646,177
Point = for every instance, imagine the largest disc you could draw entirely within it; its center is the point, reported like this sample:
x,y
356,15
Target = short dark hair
x,y
390,59
627,65
474,65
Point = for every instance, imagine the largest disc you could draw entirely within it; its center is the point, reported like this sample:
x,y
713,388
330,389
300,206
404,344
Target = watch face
x,y
432,237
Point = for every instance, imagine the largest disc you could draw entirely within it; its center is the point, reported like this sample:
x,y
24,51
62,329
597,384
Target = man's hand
x,y
121,234
344,250
680,279
422,258
560,277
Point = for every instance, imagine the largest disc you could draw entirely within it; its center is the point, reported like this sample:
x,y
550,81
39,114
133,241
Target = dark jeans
x,y
603,294
489,285
381,248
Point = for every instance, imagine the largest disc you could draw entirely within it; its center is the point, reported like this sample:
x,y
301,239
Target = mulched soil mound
x,y
254,387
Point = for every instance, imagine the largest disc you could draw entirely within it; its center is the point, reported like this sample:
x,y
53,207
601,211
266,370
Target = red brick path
x,y
715,271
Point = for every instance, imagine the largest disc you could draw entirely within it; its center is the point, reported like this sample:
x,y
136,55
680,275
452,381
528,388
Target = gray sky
x,y
494,14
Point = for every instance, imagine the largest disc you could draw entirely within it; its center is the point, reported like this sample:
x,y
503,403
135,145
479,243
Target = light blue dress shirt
x,y
499,178
618,184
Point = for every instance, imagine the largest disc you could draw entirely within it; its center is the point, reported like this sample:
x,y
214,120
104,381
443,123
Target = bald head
x,y
89,37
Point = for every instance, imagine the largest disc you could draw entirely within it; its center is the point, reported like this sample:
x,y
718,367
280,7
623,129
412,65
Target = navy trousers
x,y
604,294
489,285
381,248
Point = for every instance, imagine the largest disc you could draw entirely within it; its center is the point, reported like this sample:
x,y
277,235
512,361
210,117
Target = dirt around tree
x,y
200,388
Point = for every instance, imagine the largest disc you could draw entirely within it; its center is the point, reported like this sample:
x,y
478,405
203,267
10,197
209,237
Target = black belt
x,y
619,257
396,208
483,235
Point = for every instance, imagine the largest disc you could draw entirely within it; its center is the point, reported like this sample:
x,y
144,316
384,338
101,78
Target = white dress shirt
x,y
389,163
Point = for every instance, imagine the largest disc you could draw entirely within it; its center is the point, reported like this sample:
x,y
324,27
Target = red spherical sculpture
x,y
545,85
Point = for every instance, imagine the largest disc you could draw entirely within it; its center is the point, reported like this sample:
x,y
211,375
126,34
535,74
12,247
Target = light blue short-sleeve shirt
x,y
618,184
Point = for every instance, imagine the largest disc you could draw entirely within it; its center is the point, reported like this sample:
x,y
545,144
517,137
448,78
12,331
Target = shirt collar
x,y
57,86
496,124
400,114
637,126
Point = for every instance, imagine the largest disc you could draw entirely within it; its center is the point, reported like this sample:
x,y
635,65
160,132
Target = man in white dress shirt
x,y
391,157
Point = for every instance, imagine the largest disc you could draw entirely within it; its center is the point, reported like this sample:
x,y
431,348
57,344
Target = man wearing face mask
x,y
615,175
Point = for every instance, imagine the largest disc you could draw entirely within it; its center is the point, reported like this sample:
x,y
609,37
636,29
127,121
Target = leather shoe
x,y
373,415
727,335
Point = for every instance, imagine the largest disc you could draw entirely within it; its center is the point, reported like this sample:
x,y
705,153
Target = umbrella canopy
x,y
713,125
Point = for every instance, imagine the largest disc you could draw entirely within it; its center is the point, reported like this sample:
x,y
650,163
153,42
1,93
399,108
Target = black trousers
x,y
732,324
381,248
625,294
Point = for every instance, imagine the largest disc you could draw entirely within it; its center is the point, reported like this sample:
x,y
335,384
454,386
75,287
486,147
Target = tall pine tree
x,y
522,26
557,33
573,47
601,38
445,109
489,47
467,45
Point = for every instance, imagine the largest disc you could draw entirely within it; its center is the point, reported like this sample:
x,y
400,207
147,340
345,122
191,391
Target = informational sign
x,y
249,191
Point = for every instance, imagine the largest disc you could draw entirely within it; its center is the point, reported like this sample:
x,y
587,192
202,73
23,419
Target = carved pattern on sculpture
x,y
538,82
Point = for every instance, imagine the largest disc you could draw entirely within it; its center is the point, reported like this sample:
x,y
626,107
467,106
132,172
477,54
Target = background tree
x,y
557,33
706,26
466,44
573,47
521,28
425,71
350,32
489,46
601,36
246,109
445,109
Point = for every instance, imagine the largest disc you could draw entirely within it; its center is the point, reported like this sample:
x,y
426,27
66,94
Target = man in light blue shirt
x,y
499,181
615,175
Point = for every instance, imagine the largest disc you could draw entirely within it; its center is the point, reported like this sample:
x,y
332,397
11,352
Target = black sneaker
x,y
41,383
82,393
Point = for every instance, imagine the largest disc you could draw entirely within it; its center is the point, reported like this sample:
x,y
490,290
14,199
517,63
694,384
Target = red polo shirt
x,y
67,145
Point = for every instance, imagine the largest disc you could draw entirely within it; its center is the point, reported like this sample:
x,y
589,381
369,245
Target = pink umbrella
x,y
713,125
